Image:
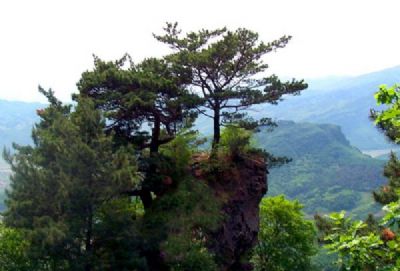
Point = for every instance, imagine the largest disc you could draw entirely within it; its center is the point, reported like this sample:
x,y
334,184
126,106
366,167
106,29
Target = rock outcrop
x,y
240,186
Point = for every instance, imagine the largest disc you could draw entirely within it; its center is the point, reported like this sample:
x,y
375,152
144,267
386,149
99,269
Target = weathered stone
x,y
241,188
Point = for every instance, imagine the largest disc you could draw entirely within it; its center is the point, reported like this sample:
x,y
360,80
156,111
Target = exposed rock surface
x,y
241,187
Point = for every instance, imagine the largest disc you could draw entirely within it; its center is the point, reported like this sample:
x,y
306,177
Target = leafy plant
x,y
286,238
13,250
235,140
359,249
388,119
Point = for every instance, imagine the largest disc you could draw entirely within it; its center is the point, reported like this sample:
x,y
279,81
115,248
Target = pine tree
x,y
60,185
221,65
138,97
148,93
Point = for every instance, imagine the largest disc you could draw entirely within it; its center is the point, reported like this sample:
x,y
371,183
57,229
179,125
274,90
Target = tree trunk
x,y
217,128
145,194
88,241
155,137
145,197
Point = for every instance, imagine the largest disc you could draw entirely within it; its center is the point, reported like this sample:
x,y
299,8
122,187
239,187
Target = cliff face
x,y
240,187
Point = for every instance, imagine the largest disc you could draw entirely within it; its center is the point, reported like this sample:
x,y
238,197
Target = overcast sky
x,y
51,42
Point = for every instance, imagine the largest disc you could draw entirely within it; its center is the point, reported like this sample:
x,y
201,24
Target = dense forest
x,y
122,179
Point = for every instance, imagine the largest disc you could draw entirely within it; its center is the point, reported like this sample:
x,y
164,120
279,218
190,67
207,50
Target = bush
x,y
286,238
235,140
13,251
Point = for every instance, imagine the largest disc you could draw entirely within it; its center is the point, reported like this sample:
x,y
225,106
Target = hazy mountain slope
x,y
342,101
327,173
16,122
4,174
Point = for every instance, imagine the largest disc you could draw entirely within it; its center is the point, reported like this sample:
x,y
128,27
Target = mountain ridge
x,y
346,103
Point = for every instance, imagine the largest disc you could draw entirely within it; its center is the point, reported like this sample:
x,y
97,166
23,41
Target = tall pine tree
x,y
59,186
145,104
222,66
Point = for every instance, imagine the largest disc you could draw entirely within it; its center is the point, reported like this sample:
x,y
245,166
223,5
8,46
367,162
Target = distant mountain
x,y
327,174
16,122
4,180
344,101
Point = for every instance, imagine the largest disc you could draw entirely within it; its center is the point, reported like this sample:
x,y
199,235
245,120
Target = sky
x,y
51,42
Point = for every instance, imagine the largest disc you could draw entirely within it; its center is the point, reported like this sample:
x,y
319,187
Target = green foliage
x,y
286,238
238,141
358,244
354,250
235,140
181,149
324,261
179,222
77,200
149,93
343,101
388,119
326,173
223,64
13,251
119,242
181,215
60,185
360,249
387,193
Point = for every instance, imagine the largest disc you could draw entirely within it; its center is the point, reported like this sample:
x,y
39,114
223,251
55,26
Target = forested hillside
x,y
327,174
342,101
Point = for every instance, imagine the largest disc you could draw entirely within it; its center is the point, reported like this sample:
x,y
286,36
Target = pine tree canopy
x,y
149,93
60,185
222,66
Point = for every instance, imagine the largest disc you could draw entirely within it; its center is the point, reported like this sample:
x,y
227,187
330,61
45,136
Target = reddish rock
x,y
241,187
